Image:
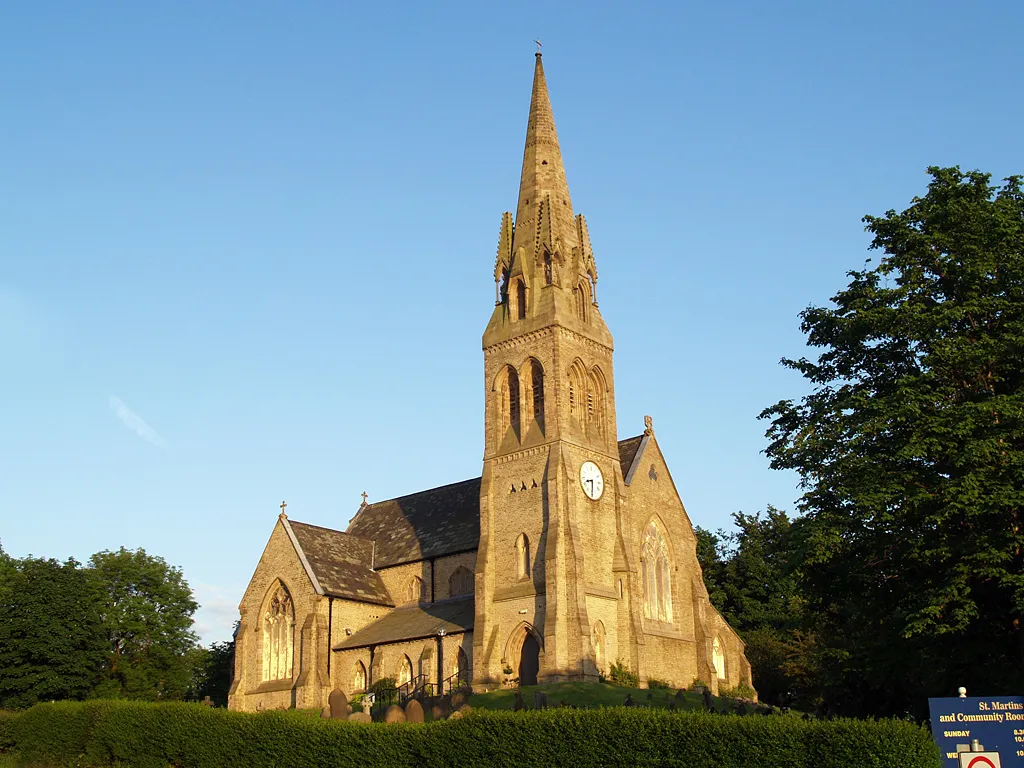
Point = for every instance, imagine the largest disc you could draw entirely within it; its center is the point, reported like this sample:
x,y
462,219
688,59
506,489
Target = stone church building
x,y
570,552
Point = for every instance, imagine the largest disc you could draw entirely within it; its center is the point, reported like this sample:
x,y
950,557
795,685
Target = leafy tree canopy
x,y
909,447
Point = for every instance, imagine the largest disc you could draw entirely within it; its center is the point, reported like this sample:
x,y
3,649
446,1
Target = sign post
x,y
979,732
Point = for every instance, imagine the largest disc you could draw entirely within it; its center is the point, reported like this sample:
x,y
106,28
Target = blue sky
x,y
246,249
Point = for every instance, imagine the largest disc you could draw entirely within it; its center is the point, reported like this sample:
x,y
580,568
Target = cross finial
x,y
539,46
283,505
365,495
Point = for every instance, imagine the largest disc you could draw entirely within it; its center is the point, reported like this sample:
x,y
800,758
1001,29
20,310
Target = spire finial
x,y
365,496
283,505
539,46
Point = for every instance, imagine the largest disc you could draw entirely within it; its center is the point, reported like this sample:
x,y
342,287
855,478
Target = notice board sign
x,y
997,722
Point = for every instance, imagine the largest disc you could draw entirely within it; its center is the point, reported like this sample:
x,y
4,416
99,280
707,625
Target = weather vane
x,y
539,46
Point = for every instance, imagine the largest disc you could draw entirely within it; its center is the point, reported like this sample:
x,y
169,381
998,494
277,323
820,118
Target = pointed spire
x,y
543,185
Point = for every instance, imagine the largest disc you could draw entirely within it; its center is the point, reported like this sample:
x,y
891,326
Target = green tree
x,y
910,451
147,618
213,670
51,638
750,573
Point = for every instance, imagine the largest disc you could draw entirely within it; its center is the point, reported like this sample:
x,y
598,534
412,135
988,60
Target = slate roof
x,y
412,622
341,563
440,521
627,452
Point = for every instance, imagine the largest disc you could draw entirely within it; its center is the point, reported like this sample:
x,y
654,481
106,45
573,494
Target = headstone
x,y
679,697
437,712
629,701
540,700
465,709
455,715
413,712
360,717
207,702
458,700
348,709
519,704
395,714
325,713
338,702
709,703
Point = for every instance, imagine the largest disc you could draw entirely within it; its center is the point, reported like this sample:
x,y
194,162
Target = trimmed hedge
x,y
143,735
7,730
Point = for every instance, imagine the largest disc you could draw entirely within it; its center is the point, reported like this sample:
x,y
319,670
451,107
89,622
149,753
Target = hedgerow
x,y
7,720
144,735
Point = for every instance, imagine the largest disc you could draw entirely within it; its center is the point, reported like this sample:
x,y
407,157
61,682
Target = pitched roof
x,y
340,562
440,521
628,450
415,621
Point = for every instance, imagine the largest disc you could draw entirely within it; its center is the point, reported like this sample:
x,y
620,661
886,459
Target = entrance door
x,y
529,661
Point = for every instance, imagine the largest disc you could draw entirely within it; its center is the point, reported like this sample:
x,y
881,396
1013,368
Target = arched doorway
x,y
529,660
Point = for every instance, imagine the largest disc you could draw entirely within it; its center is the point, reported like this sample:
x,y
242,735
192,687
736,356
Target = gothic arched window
x,y
460,666
404,671
509,388
461,582
278,626
414,592
581,298
718,657
519,300
577,391
522,557
359,678
536,396
597,638
595,400
656,574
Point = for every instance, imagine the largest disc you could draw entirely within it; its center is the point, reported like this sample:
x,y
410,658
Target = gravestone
x,y
338,702
455,715
413,712
325,713
348,709
709,703
360,717
465,709
679,697
519,703
395,714
437,712
458,699
629,701
540,700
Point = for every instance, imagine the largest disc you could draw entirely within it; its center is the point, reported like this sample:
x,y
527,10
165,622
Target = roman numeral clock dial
x,y
591,480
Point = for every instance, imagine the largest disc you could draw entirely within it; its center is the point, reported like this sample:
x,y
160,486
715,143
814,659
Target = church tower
x,y
545,574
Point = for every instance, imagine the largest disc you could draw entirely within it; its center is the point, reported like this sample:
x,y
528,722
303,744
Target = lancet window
x,y
461,582
718,657
414,592
598,640
655,565
278,626
359,678
522,557
535,397
578,392
509,388
581,298
404,671
460,666
517,300
595,400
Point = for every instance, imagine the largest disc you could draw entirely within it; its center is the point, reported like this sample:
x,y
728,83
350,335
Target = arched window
x,y
718,657
535,398
278,626
461,582
509,401
656,574
404,671
581,298
359,678
577,391
519,311
414,592
595,400
460,666
522,557
599,652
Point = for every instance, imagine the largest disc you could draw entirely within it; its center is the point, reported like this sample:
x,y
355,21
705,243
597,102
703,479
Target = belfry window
x,y
522,557
509,388
578,392
595,400
519,301
656,574
536,395
581,298
278,626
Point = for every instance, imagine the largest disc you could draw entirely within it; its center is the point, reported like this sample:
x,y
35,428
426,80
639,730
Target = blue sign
x,y
997,723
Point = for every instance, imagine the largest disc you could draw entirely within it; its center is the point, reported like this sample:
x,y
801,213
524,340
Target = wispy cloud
x,y
217,614
135,423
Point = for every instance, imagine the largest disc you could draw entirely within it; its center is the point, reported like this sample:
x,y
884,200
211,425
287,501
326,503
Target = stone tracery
x,y
655,566
278,625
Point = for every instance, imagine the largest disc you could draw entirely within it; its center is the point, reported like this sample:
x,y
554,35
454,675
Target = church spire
x,y
544,224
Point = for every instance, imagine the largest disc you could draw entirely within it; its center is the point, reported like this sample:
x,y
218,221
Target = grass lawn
x,y
587,695
8,759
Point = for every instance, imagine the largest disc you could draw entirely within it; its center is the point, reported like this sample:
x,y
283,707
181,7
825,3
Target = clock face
x,y
591,480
